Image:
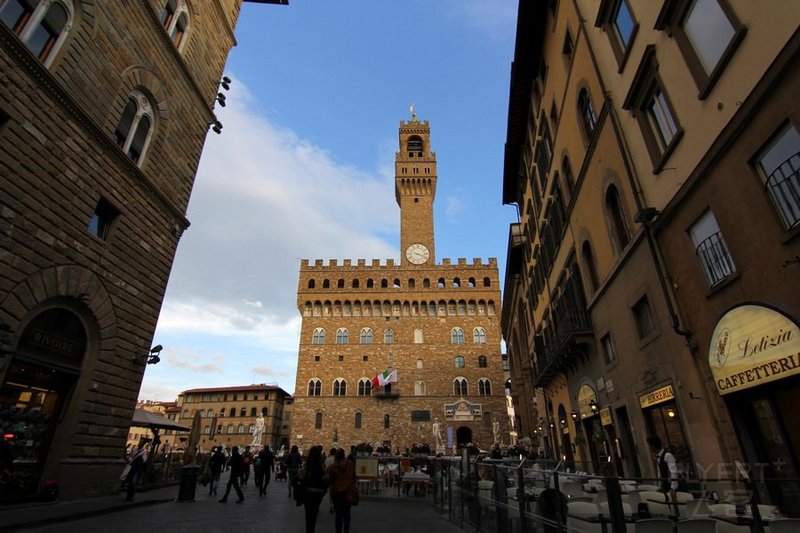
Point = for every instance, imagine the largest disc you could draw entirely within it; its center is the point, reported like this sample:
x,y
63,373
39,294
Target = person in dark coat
x,y
236,466
342,477
312,479
293,463
264,467
216,464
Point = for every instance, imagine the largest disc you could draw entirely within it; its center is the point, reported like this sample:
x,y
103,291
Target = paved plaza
x,y
157,510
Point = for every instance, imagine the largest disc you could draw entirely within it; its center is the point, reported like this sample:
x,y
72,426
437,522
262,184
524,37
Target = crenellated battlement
x,y
386,264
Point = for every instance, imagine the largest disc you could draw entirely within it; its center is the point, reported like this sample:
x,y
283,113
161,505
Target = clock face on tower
x,y
417,254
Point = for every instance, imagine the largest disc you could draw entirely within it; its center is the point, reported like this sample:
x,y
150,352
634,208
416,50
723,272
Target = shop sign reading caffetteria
x,y
753,345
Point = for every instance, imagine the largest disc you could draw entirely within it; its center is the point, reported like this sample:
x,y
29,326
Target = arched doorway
x,y
42,373
463,436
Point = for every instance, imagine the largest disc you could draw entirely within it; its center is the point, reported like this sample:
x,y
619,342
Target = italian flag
x,y
385,377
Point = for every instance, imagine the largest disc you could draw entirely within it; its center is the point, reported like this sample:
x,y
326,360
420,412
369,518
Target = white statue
x,y
258,431
496,430
437,433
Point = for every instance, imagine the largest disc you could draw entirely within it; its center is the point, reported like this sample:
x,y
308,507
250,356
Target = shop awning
x,y
146,419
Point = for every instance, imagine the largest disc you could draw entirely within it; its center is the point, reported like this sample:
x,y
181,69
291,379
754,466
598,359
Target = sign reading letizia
x,y
753,345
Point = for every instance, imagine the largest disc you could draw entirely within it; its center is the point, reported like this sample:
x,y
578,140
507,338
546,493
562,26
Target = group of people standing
x,y
239,466
311,479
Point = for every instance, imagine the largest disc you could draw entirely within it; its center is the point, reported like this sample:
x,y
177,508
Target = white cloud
x,y
263,199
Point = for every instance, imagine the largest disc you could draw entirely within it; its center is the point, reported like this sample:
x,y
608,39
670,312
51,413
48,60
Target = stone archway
x,y
463,436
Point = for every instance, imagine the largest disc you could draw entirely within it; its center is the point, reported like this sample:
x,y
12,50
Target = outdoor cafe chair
x,y
784,525
582,508
697,525
656,502
626,509
654,525
695,509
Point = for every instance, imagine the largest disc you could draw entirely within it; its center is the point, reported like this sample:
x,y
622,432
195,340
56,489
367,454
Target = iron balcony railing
x,y
784,188
713,255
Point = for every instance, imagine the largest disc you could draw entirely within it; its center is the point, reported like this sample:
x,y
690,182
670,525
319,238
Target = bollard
x,y
188,484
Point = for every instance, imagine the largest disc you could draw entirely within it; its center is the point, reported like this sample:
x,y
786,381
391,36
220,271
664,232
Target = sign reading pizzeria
x,y
753,345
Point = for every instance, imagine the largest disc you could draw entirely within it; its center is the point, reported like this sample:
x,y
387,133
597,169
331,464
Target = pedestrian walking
x,y
342,478
293,463
312,480
236,465
264,466
247,458
328,462
216,464
136,460
667,467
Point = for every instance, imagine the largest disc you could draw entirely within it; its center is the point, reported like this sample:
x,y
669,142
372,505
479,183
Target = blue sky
x,y
304,169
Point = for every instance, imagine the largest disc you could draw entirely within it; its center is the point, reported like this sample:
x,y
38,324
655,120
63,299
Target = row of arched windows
x,y
397,308
367,336
396,283
339,388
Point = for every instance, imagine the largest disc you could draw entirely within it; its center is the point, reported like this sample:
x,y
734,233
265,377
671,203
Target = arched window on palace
x,y
366,336
484,387
41,26
342,336
460,387
135,127
318,337
340,387
479,336
457,336
314,387
364,387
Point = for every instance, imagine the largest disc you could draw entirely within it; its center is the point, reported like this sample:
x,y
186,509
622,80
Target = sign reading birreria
x,y
657,396
753,345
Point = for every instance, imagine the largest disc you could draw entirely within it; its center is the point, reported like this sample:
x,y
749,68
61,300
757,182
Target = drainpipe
x,y
644,214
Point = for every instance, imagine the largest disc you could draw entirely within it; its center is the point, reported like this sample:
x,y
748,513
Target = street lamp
x,y
151,357
593,405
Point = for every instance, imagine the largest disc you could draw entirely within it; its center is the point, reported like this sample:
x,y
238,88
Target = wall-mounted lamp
x,y
217,126
151,357
593,405
671,413
221,99
225,83
574,415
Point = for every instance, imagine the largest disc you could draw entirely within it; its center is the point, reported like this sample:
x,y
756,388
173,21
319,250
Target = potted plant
x,y
382,449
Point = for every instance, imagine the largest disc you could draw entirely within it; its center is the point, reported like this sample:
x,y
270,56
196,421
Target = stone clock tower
x,y
415,189
430,322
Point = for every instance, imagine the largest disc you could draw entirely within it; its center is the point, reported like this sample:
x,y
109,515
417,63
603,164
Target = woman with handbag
x,y
312,485
342,477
